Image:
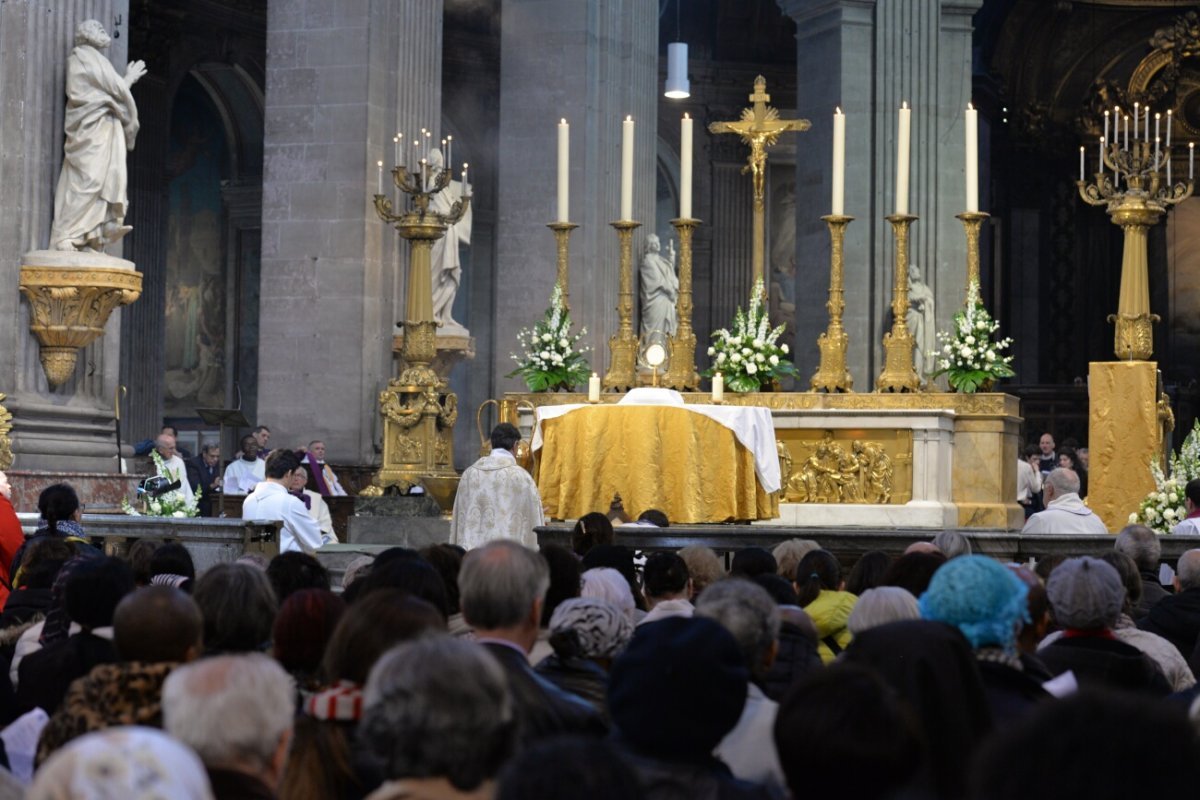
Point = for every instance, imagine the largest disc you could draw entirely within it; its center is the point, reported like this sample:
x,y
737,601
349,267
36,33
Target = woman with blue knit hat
x,y
987,603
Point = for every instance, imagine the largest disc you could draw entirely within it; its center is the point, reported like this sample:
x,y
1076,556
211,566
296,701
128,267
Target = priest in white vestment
x,y
173,467
497,499
246,471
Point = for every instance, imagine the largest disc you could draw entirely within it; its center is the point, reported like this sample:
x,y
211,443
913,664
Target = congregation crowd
x,y
511,670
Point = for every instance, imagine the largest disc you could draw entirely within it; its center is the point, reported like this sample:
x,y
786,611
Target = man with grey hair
x,y
1065,512
173,467
1145,550
237,713
751,615
1177,617
438,718
952,544
502,586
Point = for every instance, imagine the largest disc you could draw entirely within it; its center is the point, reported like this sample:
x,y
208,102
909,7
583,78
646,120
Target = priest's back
x,y
497,499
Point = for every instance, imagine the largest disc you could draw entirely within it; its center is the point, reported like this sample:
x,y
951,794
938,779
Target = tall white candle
x,y
396,143
1168,127
466,184
902,154
1101,155
685,167
1137,119
839,163
972,120
1147,137
1157,119
379,178
449,154
564,171
1156,143
1191,161
1081,162
627,169
1105,124
1126,131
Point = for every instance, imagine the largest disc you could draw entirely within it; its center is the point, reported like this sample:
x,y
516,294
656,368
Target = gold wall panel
x,y
847,465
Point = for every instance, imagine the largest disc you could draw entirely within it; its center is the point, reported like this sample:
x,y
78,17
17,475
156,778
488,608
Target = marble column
x,y
591,63
868,56
69,428
342,79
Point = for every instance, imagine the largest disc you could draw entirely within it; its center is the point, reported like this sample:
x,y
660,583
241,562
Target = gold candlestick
x,y
972,221
622,346
562,237
681,369
833,376
898,374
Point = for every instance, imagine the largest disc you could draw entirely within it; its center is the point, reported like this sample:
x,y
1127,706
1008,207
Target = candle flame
x,y
629,118
837,110
449,137
379,163
396,139
904,104
562,121
465,165
685,115
970,107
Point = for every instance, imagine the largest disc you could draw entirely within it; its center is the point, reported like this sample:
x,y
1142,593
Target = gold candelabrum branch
x,y
972,221
833,375
562,238
899,374
622,346
1141,204
417,410
681,348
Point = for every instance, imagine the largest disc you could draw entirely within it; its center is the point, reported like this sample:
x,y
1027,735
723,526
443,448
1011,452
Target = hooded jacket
x,y
830,612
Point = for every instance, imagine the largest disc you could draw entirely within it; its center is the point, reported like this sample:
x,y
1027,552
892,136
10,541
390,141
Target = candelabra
x,y
833,376
681,366
622,346
562,237
972,221
1143,201
417,408
898,374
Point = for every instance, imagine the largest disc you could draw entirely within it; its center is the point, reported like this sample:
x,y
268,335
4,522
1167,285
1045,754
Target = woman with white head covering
x,y
122,762
609,585
586,634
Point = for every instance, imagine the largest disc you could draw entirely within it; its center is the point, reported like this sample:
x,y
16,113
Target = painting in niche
x,y
781,249
195,307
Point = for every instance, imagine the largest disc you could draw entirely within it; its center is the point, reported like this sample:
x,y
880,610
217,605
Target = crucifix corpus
x,y
759,127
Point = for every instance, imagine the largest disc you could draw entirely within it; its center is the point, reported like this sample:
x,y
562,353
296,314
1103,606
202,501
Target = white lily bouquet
x,y
1163,509
750,356
969,359
171,504
553,357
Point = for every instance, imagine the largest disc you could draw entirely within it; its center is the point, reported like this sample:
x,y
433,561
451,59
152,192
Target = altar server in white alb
x,y
497,499
1191,494
244,472
272,499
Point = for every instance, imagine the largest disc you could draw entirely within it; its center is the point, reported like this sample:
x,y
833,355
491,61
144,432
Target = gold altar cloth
x,y
688,466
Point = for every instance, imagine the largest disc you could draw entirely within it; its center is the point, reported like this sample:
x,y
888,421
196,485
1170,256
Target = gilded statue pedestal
x,y
1125,434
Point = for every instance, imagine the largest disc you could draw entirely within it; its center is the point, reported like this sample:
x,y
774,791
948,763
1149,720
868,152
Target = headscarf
x,y
134,763
605,583
590,628
980,597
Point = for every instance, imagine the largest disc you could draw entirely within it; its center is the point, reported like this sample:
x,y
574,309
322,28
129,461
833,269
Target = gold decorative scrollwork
x,y
6,454
833,474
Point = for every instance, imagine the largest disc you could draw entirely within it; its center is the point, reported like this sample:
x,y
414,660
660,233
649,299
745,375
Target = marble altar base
x,y
101,492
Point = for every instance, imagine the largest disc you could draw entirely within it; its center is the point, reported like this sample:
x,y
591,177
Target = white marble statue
x,y
444,261
101,124
922,323
660,289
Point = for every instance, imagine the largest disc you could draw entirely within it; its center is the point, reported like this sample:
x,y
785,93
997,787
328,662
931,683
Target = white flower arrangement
x,y
553,357
1162,509
969,358
748,356
171,504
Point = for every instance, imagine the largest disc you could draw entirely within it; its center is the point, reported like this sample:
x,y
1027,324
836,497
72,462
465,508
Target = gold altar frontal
x,y
638,454
985,439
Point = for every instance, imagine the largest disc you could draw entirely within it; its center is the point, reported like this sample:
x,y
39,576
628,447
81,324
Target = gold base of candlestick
x,y
833,375
972,221
562,237
622,346
681,348
899,374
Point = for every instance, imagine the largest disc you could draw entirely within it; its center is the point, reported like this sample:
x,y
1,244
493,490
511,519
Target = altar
x,y
942,460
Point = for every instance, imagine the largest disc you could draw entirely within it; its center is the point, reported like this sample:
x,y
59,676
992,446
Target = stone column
x,y
867,56
342,79
69,428
591,63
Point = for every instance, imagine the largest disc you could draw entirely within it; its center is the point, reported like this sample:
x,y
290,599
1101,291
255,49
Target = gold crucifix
x,y
759,127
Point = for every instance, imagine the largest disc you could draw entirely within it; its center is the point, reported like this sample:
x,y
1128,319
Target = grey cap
x,y
1086,593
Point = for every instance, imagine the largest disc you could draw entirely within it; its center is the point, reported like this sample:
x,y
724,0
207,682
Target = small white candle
x,y
902,154
1080,162
396,146
1102,155
1157,117
1147,136
379,178
415,155
564,171
1168,128
627,169
594,388
465,183
1156,152
1191,161
972,120
1126,132
718,388
1106,124
685,167
839,163
449,153
1137,118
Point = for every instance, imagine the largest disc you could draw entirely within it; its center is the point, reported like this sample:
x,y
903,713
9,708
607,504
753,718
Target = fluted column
x,y
604,61
69,428
332,279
